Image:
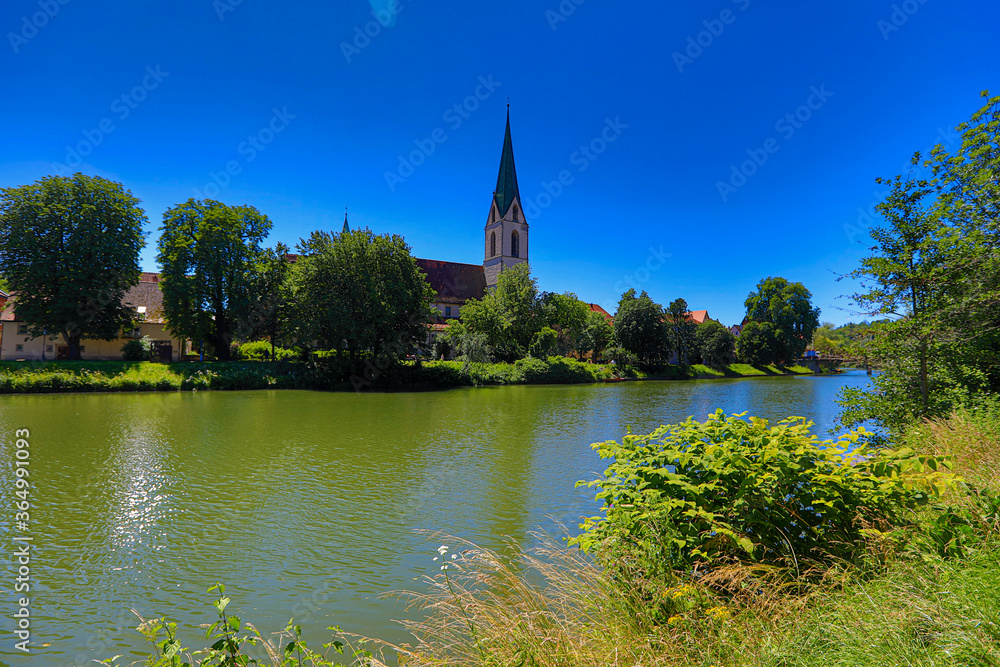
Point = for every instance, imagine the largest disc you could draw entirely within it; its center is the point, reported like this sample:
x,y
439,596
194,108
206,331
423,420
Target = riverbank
x,y
120,376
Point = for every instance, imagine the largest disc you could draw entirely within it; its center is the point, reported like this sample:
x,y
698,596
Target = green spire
x,y
507,179
347,228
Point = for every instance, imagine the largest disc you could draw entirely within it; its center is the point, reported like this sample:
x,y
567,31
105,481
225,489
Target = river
x,y
306,504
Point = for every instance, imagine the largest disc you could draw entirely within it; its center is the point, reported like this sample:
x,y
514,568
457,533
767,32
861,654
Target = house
x,y
594,308
145,298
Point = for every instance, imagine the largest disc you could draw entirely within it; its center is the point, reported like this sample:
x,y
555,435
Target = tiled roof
x,y
597,309
699,316
454,282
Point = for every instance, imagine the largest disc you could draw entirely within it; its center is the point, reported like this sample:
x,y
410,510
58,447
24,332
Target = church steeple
x,y
347,228
506,229
506,190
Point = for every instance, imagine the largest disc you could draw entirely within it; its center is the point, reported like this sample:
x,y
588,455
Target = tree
x,y
267,306
639,328
932,281
69,249
715,344
359,294
210,255
756,343
788,307
680,332
567,315
508,317
597,334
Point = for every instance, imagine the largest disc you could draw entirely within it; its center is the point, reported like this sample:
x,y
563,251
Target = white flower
x,y
442,549
435,558
444,567
454,556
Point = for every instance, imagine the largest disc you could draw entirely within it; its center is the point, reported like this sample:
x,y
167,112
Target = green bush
x,y
734,490
137,349
260,350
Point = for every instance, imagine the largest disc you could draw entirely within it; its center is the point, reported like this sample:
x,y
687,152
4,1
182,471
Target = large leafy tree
x,y
210,255
506,319
756,343
267,308
360,294
69,249
932,282
680,331
715,344
567,315
597,334
788,307
640,329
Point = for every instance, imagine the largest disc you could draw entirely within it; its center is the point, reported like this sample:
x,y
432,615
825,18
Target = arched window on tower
x,y
493,244
493,213
515,245
515,211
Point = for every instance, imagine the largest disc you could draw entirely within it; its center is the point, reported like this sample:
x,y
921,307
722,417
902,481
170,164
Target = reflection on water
x,y
305,504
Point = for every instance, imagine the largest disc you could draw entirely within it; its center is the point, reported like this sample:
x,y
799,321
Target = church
x,y
505,244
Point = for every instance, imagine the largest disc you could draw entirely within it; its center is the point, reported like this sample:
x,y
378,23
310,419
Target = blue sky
x,y
643,109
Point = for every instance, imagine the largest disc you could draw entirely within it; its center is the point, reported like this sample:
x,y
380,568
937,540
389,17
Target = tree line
x,y
69,247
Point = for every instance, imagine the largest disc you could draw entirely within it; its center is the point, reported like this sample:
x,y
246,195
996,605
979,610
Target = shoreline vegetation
x,y
30,377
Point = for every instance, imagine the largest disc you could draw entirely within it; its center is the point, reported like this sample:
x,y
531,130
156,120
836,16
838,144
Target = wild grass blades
x,y
550,606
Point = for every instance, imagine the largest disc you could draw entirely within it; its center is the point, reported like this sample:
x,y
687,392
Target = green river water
x,y
305,504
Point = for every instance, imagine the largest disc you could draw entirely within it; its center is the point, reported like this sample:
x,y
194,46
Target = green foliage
x,y
267,306
788,307
569,317
505,321
231,638
729,489
933,282
597,334
138,349
359,294
681,332
210,257
261,350
715,344
544,343
639,329
69,247
756,344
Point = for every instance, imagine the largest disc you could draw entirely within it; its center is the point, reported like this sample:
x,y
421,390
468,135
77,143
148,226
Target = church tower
x,y
506,228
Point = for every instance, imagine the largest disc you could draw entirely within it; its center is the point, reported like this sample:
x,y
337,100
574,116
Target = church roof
x,y
454,282
507,178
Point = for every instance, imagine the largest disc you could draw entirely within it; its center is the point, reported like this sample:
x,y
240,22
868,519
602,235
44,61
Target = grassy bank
x,y
119,376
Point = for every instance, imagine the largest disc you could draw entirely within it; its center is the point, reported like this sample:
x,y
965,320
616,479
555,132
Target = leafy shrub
x,y
137,349
620,357
734,490
260,350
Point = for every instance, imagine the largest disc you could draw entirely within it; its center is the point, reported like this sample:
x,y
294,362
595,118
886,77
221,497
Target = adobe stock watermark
x,y
860,230
581,158
900,15
384,13
642,273
696,44
121,108
454,116
787,126
31,25
562,13
249,149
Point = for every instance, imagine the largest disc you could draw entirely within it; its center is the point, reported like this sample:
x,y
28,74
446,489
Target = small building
x,y
145,299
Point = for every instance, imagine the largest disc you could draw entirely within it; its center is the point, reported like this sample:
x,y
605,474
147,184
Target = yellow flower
x,y
674,620
718,613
